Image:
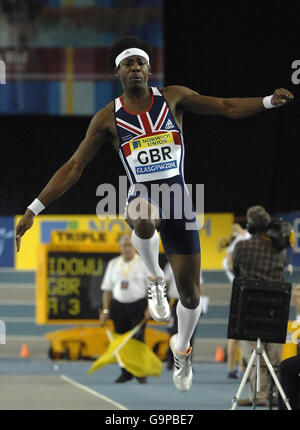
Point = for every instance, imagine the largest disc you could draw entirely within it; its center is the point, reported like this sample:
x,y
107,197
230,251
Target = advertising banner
x,y
215,226
294,219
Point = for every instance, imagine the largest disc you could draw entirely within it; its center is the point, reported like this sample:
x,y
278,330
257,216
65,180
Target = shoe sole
x,y
157,318
172,346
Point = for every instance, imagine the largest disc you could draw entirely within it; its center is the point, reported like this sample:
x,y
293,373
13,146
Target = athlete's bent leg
x,y
144,218
186,270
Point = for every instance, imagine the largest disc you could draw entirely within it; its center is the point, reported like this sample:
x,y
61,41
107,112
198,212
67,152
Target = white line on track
x,y
13,302
17,286
89,390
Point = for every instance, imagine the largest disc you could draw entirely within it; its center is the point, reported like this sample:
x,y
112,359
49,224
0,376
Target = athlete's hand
x,y
281,96
24,224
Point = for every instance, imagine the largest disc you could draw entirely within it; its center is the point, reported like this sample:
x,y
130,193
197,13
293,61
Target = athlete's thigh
x,y
138,209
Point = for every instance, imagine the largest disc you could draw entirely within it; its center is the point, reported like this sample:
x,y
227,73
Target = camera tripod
x,y
256,354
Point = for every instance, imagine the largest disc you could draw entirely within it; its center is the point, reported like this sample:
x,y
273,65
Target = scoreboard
x,y
69,276
73,284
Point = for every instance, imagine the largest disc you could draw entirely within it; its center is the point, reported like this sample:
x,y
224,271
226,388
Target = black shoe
x,y
124,377
142,380
234,374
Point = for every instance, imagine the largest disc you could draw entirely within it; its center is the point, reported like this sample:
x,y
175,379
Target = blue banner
x,y
7,241
294,219
56,52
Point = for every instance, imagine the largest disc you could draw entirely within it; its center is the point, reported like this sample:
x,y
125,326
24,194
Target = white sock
x,y
187,321
149,252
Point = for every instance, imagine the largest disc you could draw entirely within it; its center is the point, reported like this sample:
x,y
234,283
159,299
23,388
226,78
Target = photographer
x,y
260,258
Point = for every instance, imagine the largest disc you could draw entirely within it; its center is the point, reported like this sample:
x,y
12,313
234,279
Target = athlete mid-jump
x,y
145,126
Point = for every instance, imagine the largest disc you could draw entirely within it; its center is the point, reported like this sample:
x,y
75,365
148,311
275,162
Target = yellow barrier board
x,y
107,241
44,225
216,226
289,349
105,232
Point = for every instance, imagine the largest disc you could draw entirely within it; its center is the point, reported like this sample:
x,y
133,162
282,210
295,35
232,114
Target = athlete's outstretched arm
x,y
69,173
189,100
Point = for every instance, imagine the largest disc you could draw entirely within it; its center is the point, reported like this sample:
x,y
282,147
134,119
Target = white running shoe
x,y
183,372
158,304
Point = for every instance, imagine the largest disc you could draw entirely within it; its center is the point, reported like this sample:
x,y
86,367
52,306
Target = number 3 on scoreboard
x,y
74,308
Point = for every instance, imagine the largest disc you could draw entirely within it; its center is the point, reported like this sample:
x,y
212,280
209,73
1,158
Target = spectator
x,y
289,369
124,298
238,233
296,300
289,379
257,258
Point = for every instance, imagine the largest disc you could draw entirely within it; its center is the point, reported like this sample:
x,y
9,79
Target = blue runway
x,y
37,383
211,389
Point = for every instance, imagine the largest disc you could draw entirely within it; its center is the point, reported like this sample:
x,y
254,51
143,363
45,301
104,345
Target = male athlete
x,y
145,126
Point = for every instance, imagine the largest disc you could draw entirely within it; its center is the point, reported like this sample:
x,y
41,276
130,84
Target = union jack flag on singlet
x,y
151,144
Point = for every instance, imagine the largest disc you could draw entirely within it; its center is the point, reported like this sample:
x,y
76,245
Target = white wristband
x,y
36,207
267,102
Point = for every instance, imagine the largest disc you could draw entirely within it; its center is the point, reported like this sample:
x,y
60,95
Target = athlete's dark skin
x,y
133,73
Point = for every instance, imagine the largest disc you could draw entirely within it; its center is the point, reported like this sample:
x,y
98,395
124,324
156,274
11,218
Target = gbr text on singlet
x,y
154,150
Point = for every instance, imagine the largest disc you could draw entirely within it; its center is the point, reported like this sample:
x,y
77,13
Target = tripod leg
x,y
284,398
244,380
256,381
257,371
259,351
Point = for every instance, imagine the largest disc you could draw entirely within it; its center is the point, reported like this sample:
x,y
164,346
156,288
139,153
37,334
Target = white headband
x,y
129,52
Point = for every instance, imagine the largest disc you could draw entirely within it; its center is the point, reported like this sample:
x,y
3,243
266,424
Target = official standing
x,y
124,297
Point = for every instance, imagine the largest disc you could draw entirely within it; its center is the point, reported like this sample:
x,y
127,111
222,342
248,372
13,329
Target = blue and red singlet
x,y
152,152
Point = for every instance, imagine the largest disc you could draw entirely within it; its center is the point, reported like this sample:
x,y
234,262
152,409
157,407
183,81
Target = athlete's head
x,y
130,57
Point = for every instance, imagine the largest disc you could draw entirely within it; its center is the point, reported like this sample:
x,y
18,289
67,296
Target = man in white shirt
x,y
124,297
238,233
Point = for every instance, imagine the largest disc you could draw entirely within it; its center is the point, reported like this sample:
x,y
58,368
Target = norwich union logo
x,y
153,140
137,144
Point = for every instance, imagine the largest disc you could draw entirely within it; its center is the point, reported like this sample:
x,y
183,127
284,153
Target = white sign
x,y
2,72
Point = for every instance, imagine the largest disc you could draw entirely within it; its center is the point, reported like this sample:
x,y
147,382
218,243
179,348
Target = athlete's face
x,y
134,72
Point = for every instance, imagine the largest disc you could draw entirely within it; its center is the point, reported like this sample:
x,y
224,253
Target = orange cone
x,y
220,356
24,352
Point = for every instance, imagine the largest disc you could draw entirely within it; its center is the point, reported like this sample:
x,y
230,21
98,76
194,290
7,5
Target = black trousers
x,y
127,315
289,379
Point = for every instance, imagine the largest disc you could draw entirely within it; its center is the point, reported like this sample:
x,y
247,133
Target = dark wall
x,y
238,51
217,51
33,148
